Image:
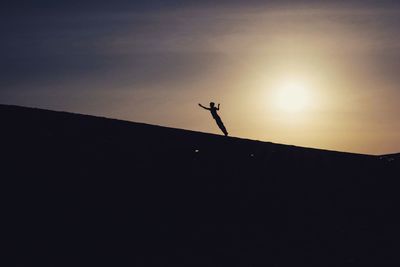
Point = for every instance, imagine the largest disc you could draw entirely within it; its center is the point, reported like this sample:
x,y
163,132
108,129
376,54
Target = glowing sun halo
x,y
292,98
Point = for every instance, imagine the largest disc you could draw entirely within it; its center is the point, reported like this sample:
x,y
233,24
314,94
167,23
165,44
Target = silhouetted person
x,y
216,117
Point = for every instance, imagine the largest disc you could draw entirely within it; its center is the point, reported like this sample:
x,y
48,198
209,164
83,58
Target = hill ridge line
x,y
186,130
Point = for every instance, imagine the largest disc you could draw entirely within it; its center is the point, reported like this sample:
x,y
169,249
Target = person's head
x,y
212,104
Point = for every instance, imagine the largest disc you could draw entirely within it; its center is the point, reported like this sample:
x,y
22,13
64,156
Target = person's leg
x,y
221,126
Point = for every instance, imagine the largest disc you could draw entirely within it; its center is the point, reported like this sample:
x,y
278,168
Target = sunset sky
x,y
322,74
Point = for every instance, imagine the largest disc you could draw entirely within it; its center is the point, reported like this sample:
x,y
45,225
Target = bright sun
x,y
293,97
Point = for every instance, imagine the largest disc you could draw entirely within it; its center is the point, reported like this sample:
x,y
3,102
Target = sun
x,y
293,97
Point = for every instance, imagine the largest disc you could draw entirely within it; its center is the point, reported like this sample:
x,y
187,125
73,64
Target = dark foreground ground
x,y
89,191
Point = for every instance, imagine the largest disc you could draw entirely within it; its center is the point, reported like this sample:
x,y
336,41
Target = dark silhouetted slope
x,y
90,191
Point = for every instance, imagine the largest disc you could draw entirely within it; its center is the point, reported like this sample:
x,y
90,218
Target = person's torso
x,y
214,112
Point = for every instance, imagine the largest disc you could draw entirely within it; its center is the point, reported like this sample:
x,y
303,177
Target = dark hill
x,y
90,191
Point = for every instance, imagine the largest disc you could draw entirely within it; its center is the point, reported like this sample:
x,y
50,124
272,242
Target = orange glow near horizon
x,y
310,82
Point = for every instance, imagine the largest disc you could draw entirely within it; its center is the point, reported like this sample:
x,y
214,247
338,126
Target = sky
x,y
320,74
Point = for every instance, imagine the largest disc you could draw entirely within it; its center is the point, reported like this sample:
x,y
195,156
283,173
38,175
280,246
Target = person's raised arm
x,y
203,106
218,107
